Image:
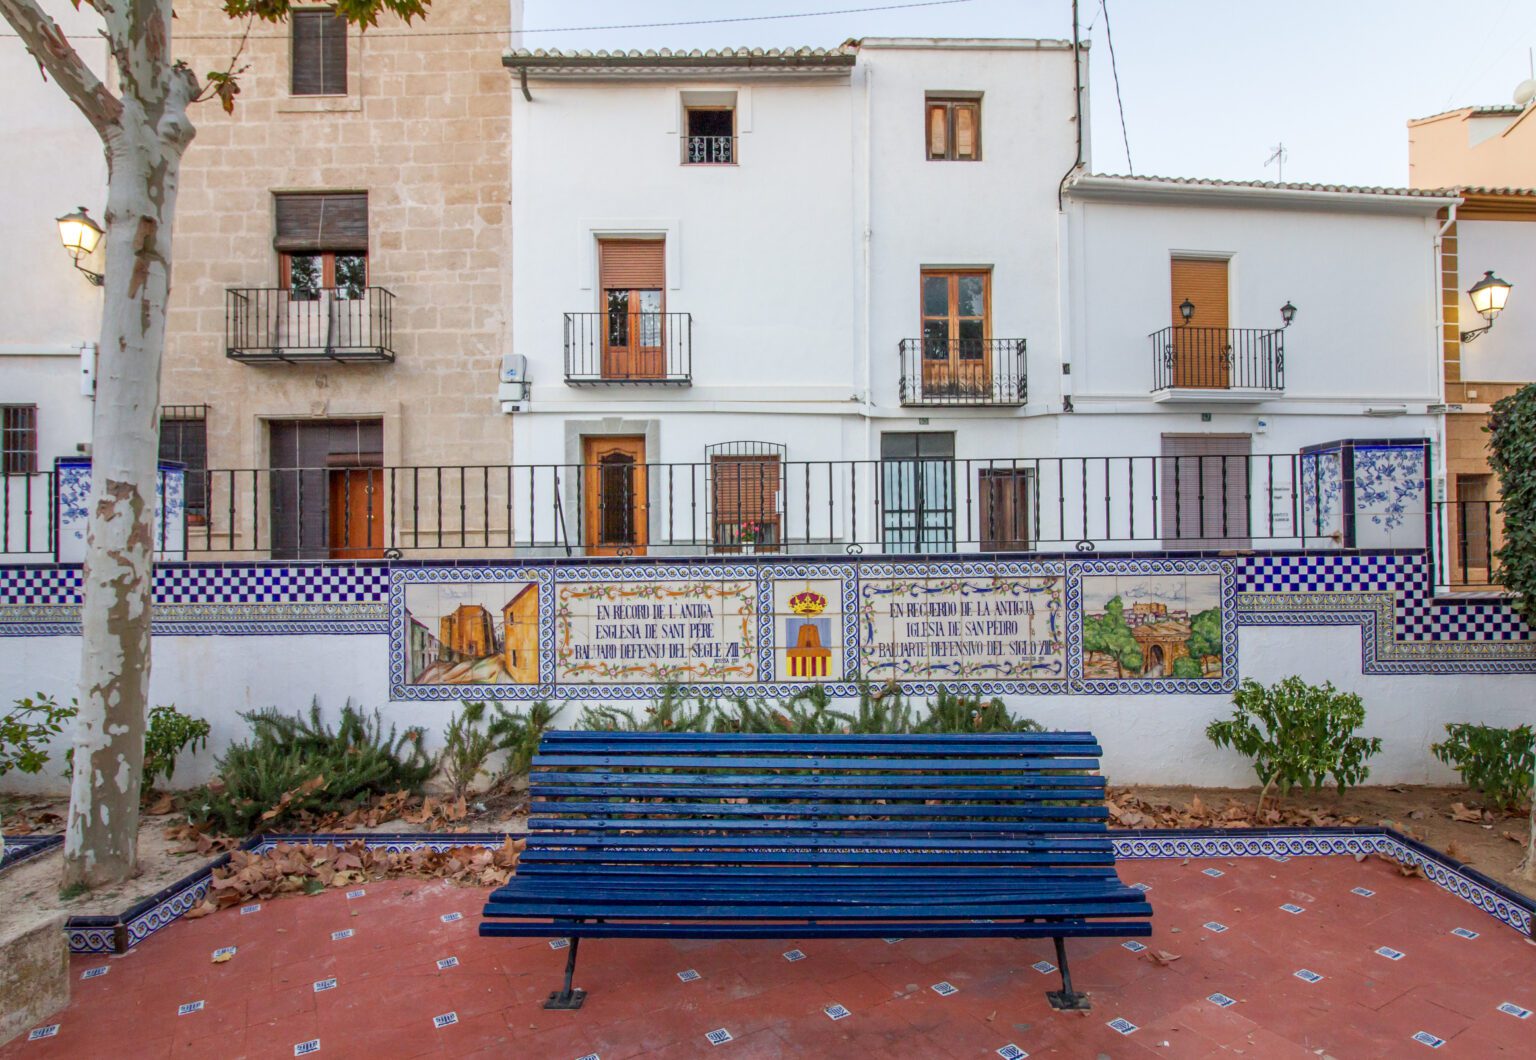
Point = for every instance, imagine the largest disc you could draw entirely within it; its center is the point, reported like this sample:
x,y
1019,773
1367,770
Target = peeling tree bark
x,y
144,133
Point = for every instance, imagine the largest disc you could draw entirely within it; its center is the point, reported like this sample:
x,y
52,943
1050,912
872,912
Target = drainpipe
x,y
1442,470
1077,99
866,241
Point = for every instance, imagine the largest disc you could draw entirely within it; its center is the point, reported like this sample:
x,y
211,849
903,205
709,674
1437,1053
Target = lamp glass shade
x,y
1186,310
79,233
1489,295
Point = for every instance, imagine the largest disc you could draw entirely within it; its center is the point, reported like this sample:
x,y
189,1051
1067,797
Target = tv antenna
x,y
1277,159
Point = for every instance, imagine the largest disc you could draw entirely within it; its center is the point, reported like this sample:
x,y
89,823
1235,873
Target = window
x,y
954,129
917,491
18,438
322,239
957,324
1204,488
710,139
632,275
319,53
184,439
746,489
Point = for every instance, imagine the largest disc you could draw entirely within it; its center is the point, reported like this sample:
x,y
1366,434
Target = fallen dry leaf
x,y
1162,958
161,806
1459,812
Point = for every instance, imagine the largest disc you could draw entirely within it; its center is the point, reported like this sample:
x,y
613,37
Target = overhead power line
x,y
1109,38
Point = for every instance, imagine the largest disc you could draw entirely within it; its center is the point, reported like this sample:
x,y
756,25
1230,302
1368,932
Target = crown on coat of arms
x,y
807,603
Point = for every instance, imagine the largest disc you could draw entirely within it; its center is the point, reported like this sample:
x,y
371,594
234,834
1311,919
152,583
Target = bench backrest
x,y
1005,801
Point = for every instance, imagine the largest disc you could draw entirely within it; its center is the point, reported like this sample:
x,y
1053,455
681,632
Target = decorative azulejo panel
x,y
19,848
1153,625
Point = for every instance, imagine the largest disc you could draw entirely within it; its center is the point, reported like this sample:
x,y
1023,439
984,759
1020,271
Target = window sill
x,y
319,104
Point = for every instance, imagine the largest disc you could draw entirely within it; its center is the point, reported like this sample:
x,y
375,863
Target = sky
x,y
1210,87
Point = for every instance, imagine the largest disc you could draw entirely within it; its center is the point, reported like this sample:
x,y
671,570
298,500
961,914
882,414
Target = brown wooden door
x,y
1201,348
1005,510
633,278
614,495
957,328
356,513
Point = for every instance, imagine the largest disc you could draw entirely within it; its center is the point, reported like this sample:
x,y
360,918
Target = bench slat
x,y
793,930
854,812
1019,764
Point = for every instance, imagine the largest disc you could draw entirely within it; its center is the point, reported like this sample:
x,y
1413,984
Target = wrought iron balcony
x,y
272,325
629,349
1222,359
709,150
963,372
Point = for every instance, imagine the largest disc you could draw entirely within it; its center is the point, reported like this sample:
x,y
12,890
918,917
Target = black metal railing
x,y
629,348
1193,358
709,150
265,325
963,372
815,507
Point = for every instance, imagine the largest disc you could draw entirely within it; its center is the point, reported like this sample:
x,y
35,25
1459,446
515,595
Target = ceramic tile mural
x,y
1390,498
656,632
808,635
943,629
1322,498
1152,626
472,633
73,486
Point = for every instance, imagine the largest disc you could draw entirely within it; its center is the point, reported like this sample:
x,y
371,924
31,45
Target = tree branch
x,y
57,57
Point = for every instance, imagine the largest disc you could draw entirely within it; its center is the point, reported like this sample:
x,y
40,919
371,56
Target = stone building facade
x,y
411,354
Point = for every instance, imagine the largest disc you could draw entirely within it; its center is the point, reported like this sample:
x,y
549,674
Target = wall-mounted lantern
x,y
1488,297
80,235
1287,314
1187,310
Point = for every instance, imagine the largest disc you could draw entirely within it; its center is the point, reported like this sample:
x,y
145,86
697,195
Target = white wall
x,y
1363,283
1152,739
1506,353
52,161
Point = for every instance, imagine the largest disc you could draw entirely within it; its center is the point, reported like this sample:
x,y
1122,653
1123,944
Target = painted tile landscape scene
x,y
472,633
1152,626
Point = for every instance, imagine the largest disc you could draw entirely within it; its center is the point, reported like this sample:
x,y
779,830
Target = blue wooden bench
x,y
679,835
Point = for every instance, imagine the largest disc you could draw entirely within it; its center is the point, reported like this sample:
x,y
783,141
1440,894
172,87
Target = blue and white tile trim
x,y
1387,593
102,934
19,848
1467,884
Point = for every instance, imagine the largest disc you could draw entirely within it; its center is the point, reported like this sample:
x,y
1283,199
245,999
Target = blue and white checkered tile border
x,y
1324,844
19,848
100,934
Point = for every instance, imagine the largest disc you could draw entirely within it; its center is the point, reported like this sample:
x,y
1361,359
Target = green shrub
x,y
1297,734
170,733
466,746
28,725
1497,762
952,713
518,734
294,764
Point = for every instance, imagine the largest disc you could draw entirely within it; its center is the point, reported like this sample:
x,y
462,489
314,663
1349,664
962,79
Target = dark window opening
x,y
184,439
18,438
327,484
917,491
710,138
319,53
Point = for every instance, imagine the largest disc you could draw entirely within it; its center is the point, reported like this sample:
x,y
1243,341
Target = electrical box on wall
x,y
512,387
88,369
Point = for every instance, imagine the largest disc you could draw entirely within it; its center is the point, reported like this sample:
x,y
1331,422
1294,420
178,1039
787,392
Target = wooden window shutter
x,y
308,223
746,488
632,264
938,130
319,53
967,117
1204,282
1204,490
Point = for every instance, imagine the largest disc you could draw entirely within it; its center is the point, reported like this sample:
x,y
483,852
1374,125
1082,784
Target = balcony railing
x,y
1193,358
639,349
267,325
709,150
776,506
963,372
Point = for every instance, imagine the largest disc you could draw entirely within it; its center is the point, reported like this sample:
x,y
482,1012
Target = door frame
x,y
591,486
956,374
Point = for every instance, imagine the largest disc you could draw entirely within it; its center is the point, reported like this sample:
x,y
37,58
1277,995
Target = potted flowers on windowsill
x,y
748,534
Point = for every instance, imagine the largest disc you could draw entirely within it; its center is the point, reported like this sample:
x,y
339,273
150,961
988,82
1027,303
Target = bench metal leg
x,y
566,997
1066,998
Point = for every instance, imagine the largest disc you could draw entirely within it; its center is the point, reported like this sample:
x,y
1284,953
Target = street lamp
x,y
1488,297
1287,314
80,235
1186,310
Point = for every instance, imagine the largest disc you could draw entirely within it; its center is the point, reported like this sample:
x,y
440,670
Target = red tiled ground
x,y
389,988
